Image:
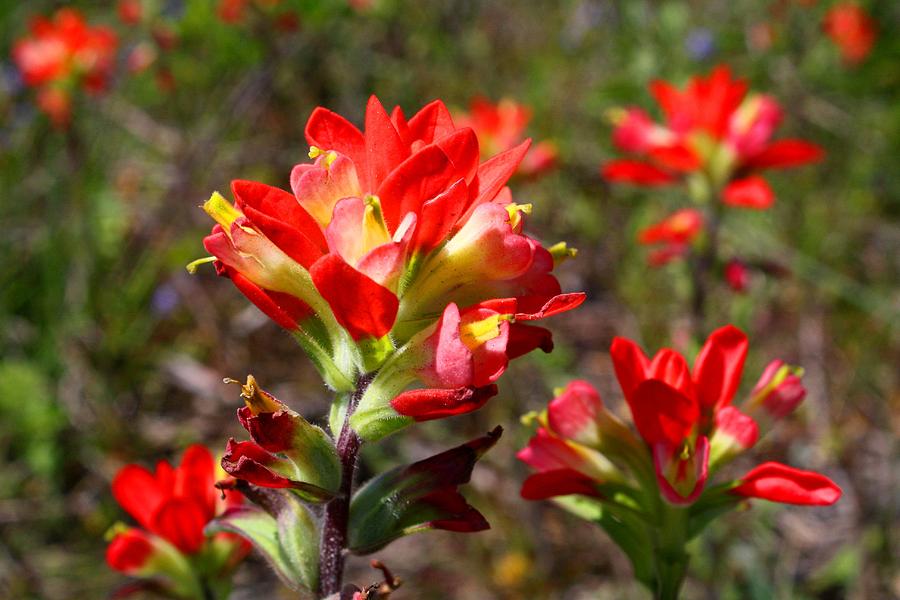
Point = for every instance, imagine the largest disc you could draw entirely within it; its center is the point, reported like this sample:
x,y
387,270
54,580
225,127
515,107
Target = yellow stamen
x,y
477,333
561,252
316,152
192,266
375,230
256,400
515,213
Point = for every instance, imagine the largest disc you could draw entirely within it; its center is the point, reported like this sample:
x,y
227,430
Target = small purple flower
x,y
165,300
700,44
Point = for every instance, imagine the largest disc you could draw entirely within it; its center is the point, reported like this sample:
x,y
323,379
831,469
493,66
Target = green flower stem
x,y
703,260
670,557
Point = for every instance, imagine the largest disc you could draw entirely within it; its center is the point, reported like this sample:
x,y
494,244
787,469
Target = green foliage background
x,y
111,353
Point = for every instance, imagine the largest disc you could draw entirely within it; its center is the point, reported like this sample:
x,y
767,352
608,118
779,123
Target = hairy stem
x,y
337,511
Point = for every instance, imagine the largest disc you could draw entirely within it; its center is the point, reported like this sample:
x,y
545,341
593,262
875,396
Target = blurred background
x,y
111,353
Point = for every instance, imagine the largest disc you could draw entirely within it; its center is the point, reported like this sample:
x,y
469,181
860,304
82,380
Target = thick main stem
x,y
337,511
670,557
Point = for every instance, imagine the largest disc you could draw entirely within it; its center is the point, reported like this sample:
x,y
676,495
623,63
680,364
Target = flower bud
x,y
778,392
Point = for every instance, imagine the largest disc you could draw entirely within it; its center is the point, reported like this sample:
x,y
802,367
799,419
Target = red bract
x,y
781,483
737,275
712,130
852,29
63,52
285,450
686,423
173,506
674,234
470,349
500,126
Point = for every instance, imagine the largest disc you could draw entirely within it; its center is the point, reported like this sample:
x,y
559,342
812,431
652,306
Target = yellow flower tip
x,y
529,418
315,152
255,399
616,115
114,530
558,391
222,211
192,266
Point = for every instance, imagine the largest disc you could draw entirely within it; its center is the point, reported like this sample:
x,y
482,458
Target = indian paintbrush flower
x,y
653,481
715,136
61,54
852,30
385,229
173,505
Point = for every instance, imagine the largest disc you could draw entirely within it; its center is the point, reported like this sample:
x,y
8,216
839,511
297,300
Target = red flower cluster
x,y
500,126
384,232
712,131
61,54
852,29
673,235
686,423
172,506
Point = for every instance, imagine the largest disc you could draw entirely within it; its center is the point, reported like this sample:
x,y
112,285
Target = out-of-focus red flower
x,y
65,46
852,29
674,234
235,11
686,423
231,11
172,505
501,126
675,410
712,130
61,53
130,11
778,392
737,275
